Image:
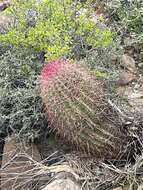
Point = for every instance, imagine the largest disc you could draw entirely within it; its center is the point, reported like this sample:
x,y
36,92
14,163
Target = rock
x,y
136,95
12,148
121,90
135,99
140,65
5,23
140,187
4,5
127,188
133,96
118,188
63,184
18,165
130,51
126,78
128,63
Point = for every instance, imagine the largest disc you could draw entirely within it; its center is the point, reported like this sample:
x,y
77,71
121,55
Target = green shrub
x,y
21,109
128,17
130,14
104,62
127,21
54,27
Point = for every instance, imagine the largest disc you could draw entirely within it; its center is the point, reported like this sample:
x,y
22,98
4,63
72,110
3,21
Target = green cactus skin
x,y
75,104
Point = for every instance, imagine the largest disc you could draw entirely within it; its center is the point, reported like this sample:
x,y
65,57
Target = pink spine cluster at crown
x,y
50,70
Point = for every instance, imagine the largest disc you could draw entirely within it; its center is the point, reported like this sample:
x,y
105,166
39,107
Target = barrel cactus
x,y
75,103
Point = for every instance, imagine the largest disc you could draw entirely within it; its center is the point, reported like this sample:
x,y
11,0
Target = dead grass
x,y
22,170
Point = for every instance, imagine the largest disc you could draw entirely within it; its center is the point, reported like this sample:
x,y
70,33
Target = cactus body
x,y
75,103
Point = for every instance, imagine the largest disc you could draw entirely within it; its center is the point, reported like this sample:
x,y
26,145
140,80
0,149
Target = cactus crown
x,y
50,70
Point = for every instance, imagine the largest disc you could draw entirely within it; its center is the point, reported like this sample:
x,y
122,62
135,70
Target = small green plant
x,y
53,27
100,75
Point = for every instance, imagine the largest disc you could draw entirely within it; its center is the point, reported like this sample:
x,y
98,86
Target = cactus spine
x,y
75,103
